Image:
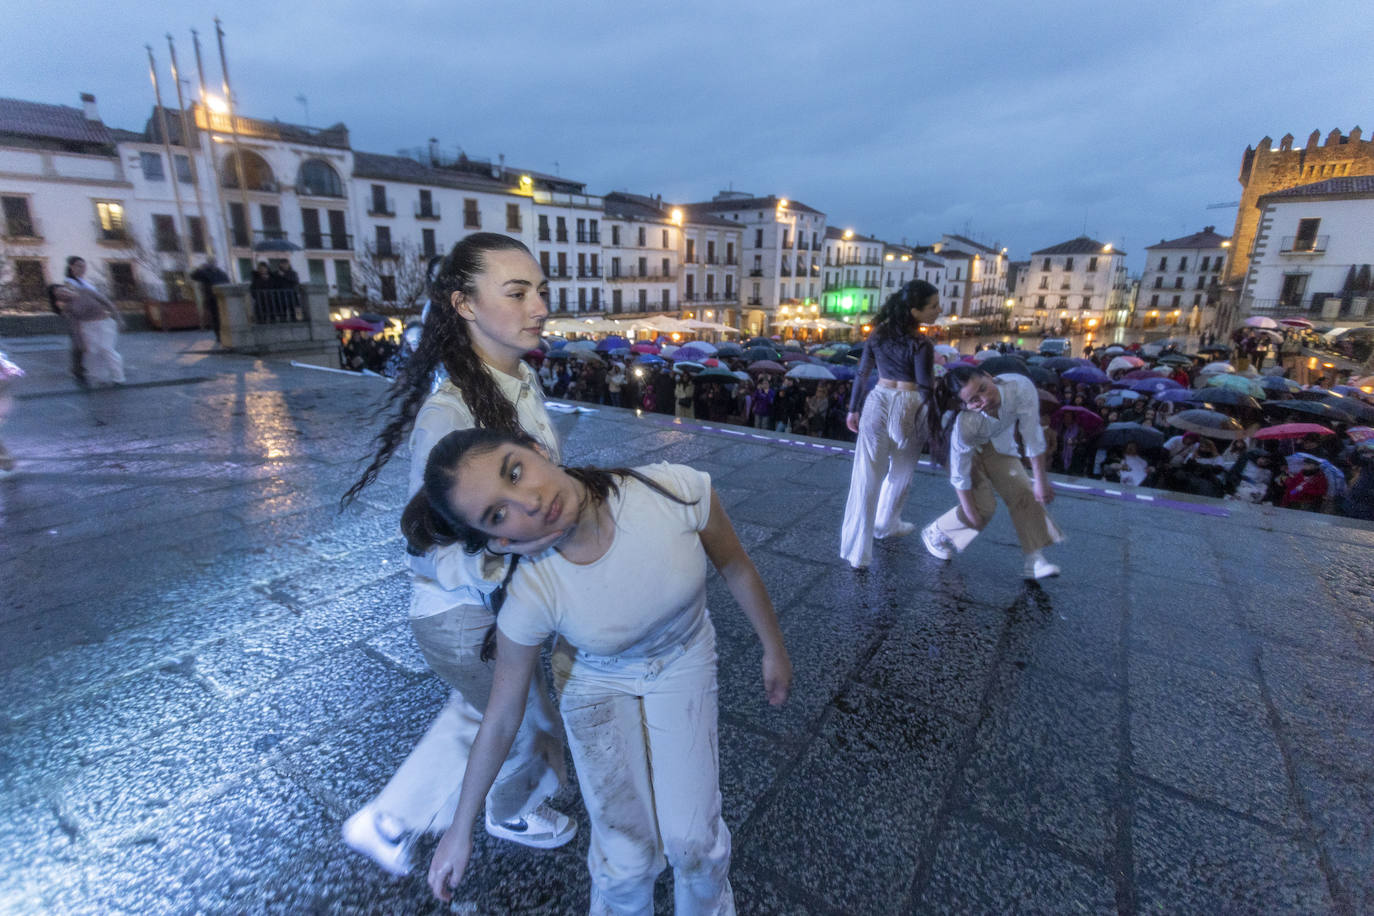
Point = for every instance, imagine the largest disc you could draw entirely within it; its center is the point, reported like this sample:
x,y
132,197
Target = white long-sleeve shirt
x,y
975,428
448,576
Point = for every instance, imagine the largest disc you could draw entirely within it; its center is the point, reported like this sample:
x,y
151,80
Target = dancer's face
x,y
980,393
515,492
928,314
507,309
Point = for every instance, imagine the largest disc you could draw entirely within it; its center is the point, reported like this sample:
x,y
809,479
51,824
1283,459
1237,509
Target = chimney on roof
x,y
501,158
1209,228
88,106
433,150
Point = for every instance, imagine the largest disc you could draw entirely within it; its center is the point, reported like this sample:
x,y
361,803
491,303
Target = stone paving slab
x,y
206,668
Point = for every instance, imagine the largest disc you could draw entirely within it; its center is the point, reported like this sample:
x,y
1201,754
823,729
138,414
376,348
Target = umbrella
x,y
1033,359
1117,435
1207,423
947,350
766,365
645,348
1296,323
1357,409
711,363
983,355
1153,386
1176,359
1157,347
1042,376
1277,384
1214,349
1260,321
581,345
535,356
1319,409
754,354
649,359
1236,383
356,324
1086,418
723,376
809,370
1292,431
1120,396
758,342
707,348
276,245
1230,397
1349,391
793,356
1048,401
1334,478
1064,363
1114,350
1124,364
844,358
843,373
729,349
741,375
687,364
1088,375
1138,374
1000,365
558,354
1360,433
1176,395
612,342
792,344
693,353
1214,368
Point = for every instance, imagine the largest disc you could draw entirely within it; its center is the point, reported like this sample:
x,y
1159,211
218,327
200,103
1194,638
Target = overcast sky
x,y
1024,124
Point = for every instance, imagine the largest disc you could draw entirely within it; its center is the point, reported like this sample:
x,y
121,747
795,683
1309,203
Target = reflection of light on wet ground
x,y
271,427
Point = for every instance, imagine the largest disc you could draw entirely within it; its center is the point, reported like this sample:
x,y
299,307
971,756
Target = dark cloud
x,y
1020,123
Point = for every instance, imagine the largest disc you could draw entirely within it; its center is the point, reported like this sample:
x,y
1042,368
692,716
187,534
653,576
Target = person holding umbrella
x,y
894,422
489,306
984,459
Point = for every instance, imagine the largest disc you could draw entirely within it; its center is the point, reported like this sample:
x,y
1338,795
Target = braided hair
x,y
446,342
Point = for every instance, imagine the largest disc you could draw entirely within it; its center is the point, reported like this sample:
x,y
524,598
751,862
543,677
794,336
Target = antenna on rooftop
x,y
305,103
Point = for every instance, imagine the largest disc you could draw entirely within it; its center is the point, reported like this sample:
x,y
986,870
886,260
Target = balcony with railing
x,y
22,228
1304,244
648,275
327,241
756,272
755,300
588,273
381,206
423,212
117,236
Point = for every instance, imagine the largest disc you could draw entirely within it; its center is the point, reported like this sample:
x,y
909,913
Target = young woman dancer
x,y
639,696
97,322
893,425
488,307
983,458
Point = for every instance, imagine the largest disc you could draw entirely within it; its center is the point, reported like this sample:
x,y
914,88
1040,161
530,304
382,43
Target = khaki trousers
x,y
1003,475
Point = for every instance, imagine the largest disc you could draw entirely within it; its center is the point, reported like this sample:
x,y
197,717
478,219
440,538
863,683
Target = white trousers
x,y
892,432
103,363
423,793
644,741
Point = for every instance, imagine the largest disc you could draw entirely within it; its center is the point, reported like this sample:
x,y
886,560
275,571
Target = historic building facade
x,y
1182,281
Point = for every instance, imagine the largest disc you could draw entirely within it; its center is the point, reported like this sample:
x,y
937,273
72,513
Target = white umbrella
x,y
792,344
1120,363
701,345
809,370
1214,368
1114,349
1260,321
946,350
982,355
741,375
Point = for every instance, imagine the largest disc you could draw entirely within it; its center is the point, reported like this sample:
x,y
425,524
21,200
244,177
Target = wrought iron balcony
x,y
1314,244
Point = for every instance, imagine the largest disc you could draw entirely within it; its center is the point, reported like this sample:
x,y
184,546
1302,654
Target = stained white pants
x,y
892,432
423,793
103,363
1004,476
643,735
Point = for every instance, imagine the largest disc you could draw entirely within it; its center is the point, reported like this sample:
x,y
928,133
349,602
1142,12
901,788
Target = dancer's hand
x,y
777,676
526,548
1044,492
852,421
449,862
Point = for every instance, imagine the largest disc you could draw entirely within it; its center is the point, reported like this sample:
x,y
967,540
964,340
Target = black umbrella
x,y
1207,423
729,349
1227,396
1357,409
1214,350
1000,365
276,245
1116,435
1062,364
1309,408
754,354
1042,376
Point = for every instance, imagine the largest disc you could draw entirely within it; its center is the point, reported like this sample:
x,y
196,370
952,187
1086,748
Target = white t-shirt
x,y
646,594
974,429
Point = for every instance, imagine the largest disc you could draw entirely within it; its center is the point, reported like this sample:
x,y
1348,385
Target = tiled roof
x,y
51,122
1207,238
951,254
977,246
834,232
1080,245
754,203
624,205
401,168
699,217
1349,184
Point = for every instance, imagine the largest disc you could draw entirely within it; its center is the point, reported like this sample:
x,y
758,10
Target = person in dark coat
x,y
208,276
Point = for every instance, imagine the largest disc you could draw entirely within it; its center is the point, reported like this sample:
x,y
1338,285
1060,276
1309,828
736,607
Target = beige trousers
x,y
1005,476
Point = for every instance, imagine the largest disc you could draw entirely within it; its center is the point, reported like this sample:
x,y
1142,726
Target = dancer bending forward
x,y
639,696
983,459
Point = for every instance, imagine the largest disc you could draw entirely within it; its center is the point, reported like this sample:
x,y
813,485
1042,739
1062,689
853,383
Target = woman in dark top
x,y
892,426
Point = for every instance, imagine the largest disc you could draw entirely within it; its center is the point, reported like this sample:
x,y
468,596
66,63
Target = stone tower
x,y
1265,169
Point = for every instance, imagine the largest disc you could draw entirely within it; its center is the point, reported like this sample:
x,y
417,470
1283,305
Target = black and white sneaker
x,y
542,828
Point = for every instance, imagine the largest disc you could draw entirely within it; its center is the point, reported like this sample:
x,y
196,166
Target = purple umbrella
x,y
1179,394
1154,386
843,373
1088,375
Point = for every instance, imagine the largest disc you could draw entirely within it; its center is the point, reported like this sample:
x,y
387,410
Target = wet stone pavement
x,y
205,669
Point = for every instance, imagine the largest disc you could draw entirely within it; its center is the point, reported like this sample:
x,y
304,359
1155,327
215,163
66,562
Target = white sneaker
x,y
899,529
542,828
379,837
1040,568
937,542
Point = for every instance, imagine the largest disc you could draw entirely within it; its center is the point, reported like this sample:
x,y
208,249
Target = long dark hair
x,y
445,341
894,318
430,521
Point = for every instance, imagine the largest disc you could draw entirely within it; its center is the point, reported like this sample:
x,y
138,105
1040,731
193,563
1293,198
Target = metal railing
x,y
385,206
278,306
327,241
423,212
22,227
1315,244
655,275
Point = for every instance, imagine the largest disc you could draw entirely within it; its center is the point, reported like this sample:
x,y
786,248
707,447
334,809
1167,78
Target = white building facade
x,y
1181,284
1313,252
1075,286
980,290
